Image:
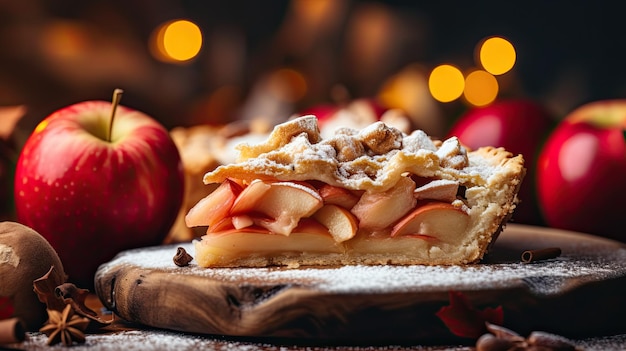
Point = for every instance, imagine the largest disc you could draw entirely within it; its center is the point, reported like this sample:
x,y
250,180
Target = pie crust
x,y
475,189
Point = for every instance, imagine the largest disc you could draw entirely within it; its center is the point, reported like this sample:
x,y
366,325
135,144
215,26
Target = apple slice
x,y
440,220
249,197
281,203
334,195
242,221
222,225
282,225
377,211
215,206
310,226
341,223
438,189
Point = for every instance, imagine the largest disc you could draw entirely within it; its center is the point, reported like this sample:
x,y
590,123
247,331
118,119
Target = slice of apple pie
x,y
371,196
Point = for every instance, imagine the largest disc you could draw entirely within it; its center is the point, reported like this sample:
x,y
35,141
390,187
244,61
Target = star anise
x,y
65,327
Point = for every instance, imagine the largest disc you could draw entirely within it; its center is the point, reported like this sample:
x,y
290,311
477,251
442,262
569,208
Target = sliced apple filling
x,y
269,219
375,196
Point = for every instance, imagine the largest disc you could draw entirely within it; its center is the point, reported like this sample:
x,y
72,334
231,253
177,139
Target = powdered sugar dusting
x,y
579,262
147,340
584,259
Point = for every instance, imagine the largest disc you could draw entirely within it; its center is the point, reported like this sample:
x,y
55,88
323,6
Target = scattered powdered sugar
x,y
541,278
584,259
153,340
615,342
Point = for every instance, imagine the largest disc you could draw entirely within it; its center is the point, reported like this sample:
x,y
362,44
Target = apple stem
x,y
117,96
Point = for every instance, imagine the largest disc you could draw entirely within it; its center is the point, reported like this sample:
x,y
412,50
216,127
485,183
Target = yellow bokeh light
x,y
182,40
446,83
481,88
405,89
176,41
497,55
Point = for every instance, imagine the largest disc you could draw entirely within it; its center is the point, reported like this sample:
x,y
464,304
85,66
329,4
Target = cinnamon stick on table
x,y
530,256
12,331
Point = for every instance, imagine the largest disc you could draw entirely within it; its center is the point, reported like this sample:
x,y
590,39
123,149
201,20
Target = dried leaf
x,y
74,296
463,320
45,289
56,294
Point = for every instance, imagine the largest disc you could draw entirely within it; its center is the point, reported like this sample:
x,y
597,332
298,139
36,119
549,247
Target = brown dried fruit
x,y
182,258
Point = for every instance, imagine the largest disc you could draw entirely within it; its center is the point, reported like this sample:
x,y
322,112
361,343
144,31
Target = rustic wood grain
x,y
186,299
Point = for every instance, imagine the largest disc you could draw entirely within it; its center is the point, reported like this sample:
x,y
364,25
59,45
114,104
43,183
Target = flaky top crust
x,y
371,159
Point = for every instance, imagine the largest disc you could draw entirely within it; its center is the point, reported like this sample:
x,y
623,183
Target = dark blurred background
x,y
277,57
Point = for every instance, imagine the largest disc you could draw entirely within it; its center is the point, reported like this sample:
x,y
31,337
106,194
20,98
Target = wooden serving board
x,y
580,293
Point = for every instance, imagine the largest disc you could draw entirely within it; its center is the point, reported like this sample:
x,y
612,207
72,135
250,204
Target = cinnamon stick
x,y
12,331
530,256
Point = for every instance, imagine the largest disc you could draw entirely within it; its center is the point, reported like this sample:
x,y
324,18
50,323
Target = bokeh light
x,y
497,55
481,88
176,41
446,83
218,106
64,39
287,84
407,90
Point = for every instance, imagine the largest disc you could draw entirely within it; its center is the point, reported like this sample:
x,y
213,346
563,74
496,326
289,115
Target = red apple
x,y
520,126
367,108
582,168
93,187
323,112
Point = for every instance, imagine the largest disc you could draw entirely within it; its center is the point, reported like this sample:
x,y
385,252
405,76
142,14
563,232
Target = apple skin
x,y
518,125
321,111
582,168
91,198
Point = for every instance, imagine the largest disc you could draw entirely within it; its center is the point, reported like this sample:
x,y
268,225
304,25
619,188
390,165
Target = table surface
x,y
129,336
150,339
